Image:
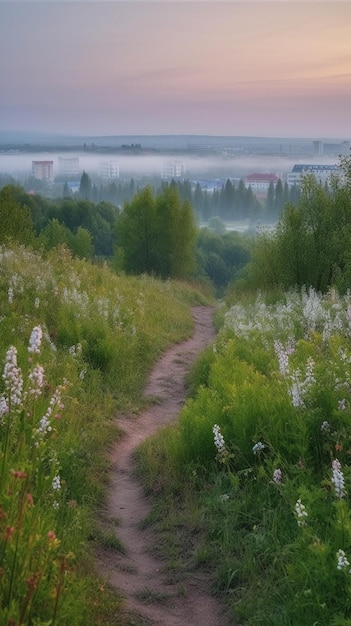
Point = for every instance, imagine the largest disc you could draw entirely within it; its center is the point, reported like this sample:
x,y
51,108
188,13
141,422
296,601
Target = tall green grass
x,y
76,344
264,444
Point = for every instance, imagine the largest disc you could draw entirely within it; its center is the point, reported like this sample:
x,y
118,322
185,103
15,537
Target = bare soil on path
x,y
189,602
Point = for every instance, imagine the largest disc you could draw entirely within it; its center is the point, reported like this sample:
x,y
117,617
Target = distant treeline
x,y
230,202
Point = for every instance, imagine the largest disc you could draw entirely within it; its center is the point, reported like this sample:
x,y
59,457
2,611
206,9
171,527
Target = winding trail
x,y
189,602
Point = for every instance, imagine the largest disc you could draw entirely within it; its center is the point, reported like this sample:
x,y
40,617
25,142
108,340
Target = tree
x,y
241,195
270,198
157,234
55,234
198,198
85,186
15,218
182,233
94,196
81,244
279,196
221,256
135,233
311,243
228,200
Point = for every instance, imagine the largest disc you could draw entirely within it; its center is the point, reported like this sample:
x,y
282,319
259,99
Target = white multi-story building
x,y
43,170
173,169
318,148
331,149
321,172
68,166
109,169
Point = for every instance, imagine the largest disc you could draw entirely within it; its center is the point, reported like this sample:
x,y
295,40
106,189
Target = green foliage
x,y
311,243
264,445
99,333
62,220
85,186
55,234
156,234
222,256
15,219
199,374
278,196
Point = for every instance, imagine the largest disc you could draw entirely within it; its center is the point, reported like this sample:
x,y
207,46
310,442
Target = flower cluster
x,y
301,513
338,479
277,476
55,402
16,285
283,354
75,350
56,483
343,562
13,377
35,340
36,378
258,447
3,407
218,439
299,388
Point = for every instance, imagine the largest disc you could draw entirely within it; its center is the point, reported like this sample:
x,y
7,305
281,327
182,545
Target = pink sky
x,y
171,67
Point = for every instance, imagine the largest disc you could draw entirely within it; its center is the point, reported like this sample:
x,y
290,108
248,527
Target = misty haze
x,y
203,162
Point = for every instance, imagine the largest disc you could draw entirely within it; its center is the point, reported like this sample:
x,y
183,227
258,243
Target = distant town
x,y
48,164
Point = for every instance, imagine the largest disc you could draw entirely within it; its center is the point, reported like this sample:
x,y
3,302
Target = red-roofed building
x,y
260,182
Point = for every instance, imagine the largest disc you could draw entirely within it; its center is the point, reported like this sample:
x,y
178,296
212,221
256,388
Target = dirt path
x,y
189,602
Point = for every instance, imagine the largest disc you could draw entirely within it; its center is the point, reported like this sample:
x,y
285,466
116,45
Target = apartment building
x,y
68,166
321,172
109,170
43,170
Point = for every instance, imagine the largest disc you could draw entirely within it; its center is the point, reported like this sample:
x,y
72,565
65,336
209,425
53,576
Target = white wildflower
x,y
13,377
224,497
56,483
278,476
218,439
44,425
301,513
3,408
283,355
37,380
258,447
338,479
342,560
35,340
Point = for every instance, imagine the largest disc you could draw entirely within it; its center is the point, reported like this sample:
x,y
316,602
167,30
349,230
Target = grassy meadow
x,y
76,343
252,484
254,481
